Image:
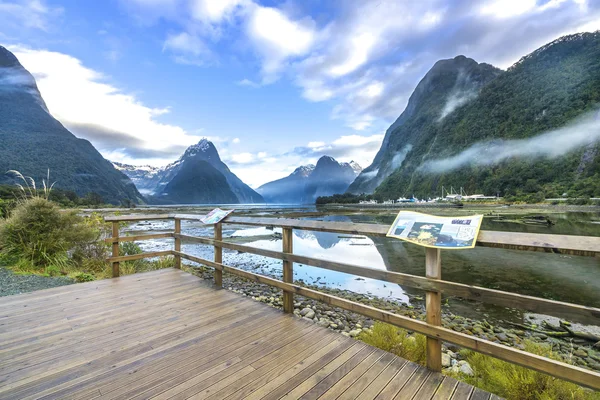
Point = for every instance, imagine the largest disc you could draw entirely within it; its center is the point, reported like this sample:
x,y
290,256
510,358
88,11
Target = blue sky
x,y
274,84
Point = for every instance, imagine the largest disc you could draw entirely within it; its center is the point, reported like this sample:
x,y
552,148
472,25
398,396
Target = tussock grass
x,y
397,341
514,382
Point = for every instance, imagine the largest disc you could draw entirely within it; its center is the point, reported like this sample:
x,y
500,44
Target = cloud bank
x,y
551,144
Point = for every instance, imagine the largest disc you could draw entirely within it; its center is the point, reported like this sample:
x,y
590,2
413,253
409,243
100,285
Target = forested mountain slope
x,y
32,141
531,132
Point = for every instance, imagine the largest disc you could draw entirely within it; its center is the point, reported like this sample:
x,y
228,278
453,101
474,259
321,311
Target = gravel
x,y
14,284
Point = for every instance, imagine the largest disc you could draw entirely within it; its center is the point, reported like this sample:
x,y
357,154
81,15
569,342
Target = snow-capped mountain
x,y
308,182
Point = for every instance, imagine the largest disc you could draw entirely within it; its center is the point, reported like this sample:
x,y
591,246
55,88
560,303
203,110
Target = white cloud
x,y
358,54
215,10
236,140
277,37
507,8
114,121
28,13
242,158
248,83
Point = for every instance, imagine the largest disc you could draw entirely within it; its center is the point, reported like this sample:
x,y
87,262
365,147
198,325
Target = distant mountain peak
x,y
304,170
354,165
204,148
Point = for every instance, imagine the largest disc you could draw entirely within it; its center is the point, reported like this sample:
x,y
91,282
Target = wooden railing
x,y
431,283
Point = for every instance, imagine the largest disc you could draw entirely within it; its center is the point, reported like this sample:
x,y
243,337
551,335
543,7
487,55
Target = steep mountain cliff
x,y
32,141
448,86
308,182
531,132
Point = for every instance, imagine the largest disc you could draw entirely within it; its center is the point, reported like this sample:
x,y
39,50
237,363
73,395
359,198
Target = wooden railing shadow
x,y
431,283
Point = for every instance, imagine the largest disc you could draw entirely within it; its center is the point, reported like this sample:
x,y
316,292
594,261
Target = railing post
x,y
115,249
218,254
177,242
288,269
433,305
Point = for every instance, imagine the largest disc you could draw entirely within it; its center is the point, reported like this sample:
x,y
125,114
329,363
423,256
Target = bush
x,y
514,382
398,341
38,234
84,277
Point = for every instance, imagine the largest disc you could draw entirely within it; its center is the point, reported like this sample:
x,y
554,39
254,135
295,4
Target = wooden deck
x,y
168,335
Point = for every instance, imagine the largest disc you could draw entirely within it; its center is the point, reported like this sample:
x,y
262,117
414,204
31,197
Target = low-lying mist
x,y
555,143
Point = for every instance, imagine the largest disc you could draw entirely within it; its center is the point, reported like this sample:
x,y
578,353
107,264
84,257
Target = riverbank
x,y
577,351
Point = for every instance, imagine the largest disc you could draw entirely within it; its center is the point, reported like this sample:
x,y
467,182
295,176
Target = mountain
x,y
448,86
197,177
530,132
144,177
308,182
288,190
32,141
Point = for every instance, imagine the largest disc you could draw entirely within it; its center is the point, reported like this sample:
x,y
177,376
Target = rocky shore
x,y
576,351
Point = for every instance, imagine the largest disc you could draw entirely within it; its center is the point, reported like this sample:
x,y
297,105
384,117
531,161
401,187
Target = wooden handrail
x,y
560,309
564,244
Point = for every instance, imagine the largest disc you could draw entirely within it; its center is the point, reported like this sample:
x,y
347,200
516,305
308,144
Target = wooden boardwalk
x,y
168,335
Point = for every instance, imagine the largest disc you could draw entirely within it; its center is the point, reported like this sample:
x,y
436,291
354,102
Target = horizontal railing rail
x,y
432,283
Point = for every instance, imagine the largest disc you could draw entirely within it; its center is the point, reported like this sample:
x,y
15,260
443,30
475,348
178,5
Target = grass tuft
x,y
397,341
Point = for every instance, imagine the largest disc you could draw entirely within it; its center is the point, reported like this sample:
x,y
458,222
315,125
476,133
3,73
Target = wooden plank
x,y
288,269
369,376
115,249
414,384
325,384
343,384
268,369
433,308
446,389
384,378
479,394
137,238
140,256
429,387
183,381
319,358
318,376
555,368
573,312
398,381
218,236
462,391
177,244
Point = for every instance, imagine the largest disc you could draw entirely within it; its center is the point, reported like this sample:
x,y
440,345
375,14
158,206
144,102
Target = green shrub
x,y
38,233
84,277
514,382
53,270
397,341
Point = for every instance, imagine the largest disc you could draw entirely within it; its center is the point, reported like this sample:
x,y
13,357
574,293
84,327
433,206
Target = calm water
x,y
566,278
